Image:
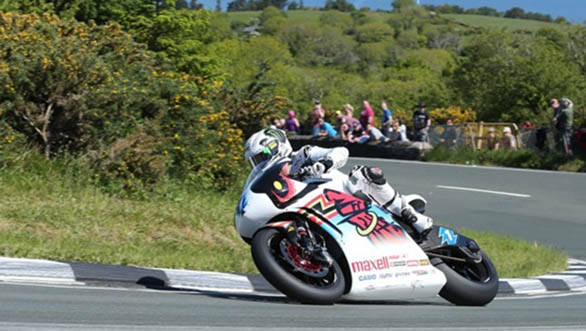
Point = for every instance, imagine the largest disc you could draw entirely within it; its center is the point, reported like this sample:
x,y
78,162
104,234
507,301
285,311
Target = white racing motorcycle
x,y
317,244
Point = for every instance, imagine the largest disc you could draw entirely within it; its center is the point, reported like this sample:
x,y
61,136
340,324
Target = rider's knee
x,y
368,174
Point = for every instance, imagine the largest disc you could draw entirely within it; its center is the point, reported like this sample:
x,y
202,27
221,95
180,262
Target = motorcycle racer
x,y
269,146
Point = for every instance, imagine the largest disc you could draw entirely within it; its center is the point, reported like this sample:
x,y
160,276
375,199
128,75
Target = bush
x,y
459,116
133,163
86,89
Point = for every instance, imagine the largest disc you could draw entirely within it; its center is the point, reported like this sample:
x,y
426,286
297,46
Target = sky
x,y
573,10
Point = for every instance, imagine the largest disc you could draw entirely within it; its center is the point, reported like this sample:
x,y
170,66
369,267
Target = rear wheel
x,y
468,283
291,271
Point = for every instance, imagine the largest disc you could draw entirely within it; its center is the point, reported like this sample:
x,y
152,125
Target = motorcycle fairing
x,y
383,259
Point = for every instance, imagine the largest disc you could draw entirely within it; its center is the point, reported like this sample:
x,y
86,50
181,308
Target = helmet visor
x,y
267,153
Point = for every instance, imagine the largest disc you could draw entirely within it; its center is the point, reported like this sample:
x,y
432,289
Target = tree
x,y
341,5
373,32
337,19
487,11
218,5
181,4
180,37
515,12
237,5
561,20
401,5
195,5
508,77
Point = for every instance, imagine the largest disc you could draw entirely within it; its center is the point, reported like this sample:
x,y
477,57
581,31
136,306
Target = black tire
x,y
267,260
468,284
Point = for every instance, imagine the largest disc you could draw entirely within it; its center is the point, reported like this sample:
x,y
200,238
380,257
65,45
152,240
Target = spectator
x,y
398,132
555,105
316,113
508,140
367,115
349,115
387,120
450,134
564,121
340,119
344,131
292,123
358,135
491,139
421,123
326,129
375,134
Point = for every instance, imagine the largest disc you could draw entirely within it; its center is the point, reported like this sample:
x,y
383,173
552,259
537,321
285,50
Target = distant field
x,y
500,22
469,20
296,15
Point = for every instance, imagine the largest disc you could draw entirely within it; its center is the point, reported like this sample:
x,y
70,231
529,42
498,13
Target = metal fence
x,y
474,135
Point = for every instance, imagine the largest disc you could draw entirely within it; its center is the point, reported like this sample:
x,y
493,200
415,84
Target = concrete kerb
x,y
78,273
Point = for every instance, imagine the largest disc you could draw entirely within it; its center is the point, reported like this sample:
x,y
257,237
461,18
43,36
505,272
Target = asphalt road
x,y
38,307
554,213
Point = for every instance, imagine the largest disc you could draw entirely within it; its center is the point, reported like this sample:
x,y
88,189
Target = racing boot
x,y
419,222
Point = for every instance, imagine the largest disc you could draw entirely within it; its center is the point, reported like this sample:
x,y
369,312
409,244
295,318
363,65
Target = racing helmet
x,y
265,145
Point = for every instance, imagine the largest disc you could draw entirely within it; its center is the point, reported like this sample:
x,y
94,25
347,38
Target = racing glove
x,y
317,169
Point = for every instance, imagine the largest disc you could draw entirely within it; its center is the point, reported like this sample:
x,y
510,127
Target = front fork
x,y
299,234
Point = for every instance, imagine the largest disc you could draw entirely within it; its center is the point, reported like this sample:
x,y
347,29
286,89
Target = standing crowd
x,y
363,129
360,129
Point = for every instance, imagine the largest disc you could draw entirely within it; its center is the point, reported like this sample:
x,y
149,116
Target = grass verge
x,y
51,210
523,158
515,258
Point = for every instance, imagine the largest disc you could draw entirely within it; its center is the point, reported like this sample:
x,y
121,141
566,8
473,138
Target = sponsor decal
x,y
423,262
367,277
383,263
419,272
356,212
402,274
449,237
412,263
369,288
399,264
385,275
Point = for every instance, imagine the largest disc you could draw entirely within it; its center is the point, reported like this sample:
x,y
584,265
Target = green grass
x,y
517,258
298,16
500,22
524,158
52,210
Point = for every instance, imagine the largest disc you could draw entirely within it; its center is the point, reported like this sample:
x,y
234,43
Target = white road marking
x,y
519,195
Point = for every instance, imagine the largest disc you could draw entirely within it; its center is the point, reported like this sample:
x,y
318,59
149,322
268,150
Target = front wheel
x,y
297,276
468,283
